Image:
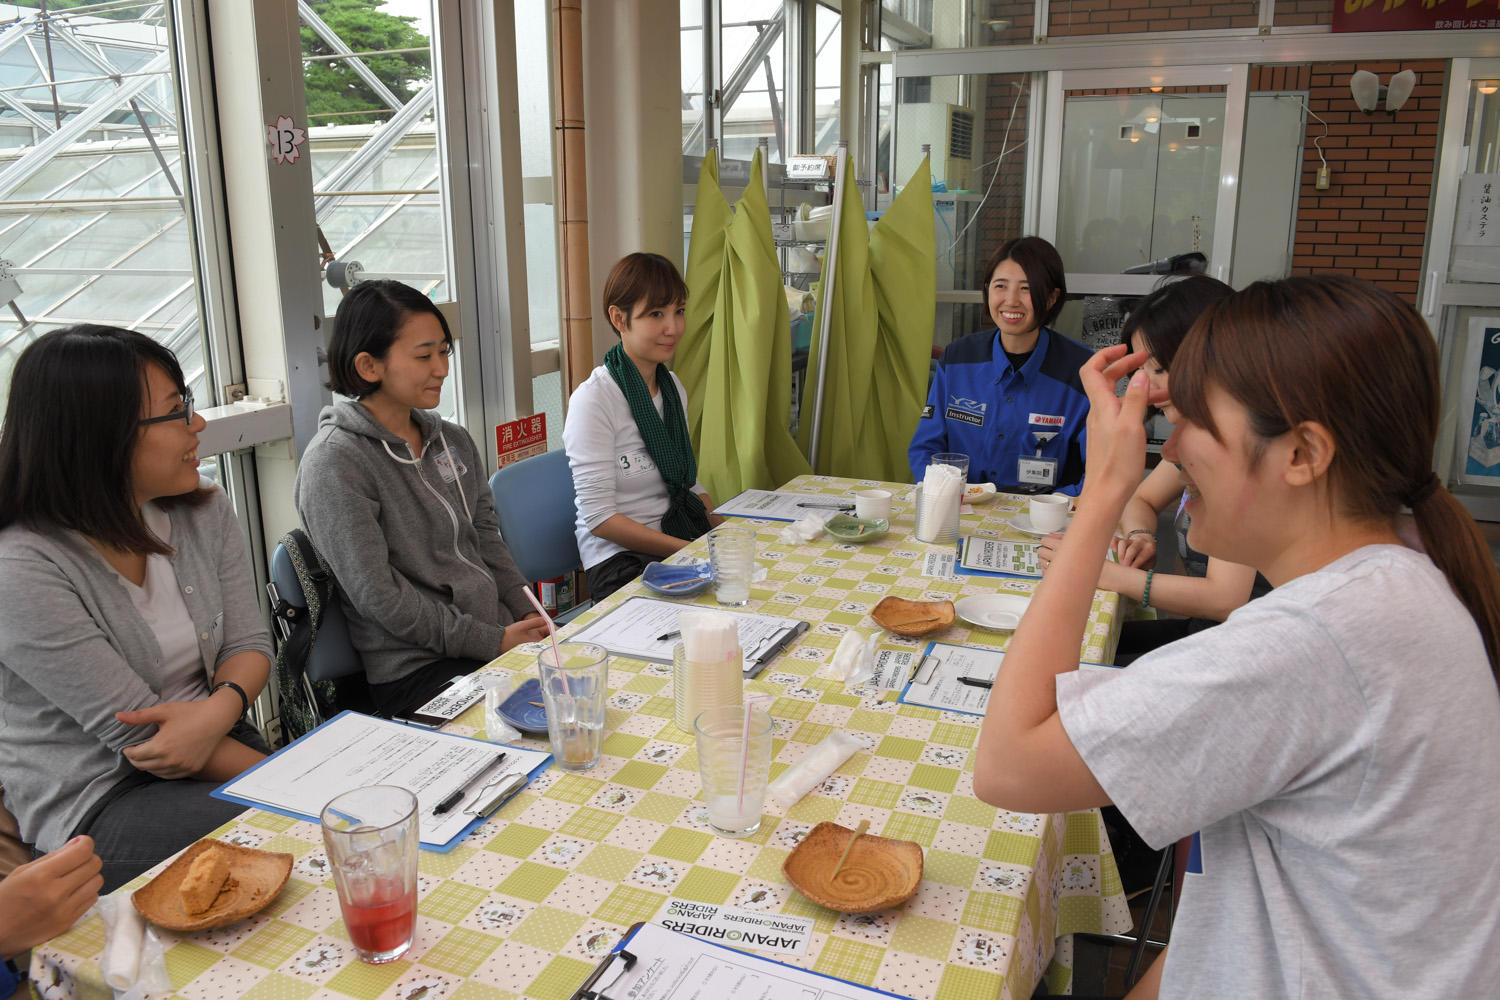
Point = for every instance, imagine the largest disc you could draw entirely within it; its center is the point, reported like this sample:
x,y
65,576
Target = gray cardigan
x,y
414,543
74,651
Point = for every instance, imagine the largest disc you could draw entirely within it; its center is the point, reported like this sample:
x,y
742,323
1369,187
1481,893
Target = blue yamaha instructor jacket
x,y
979,405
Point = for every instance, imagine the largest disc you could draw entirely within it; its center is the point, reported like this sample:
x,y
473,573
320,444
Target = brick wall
x,y
1119,17
1372,220
1288,13
1000,218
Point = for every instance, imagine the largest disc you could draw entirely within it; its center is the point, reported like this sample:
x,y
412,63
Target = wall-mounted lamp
x,y
1368,91
1488,87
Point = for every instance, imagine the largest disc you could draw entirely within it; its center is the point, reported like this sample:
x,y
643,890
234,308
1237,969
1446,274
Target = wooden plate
x,y
913,618
255,878
879,873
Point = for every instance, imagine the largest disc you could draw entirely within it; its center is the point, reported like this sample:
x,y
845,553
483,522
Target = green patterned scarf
x,y
667,442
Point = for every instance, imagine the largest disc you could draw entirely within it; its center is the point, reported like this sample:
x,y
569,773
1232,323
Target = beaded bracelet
x,y
1146,595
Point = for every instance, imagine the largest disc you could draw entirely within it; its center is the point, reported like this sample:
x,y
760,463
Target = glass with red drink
x,y
371,836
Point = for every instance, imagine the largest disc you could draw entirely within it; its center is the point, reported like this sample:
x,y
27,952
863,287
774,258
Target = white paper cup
x,y
873,504
1049,512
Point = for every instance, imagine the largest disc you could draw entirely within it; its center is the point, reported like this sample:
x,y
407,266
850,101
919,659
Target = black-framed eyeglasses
x,y
183,413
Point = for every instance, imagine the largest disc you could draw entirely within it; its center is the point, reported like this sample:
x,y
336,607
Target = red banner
x,y
518,439
1415,15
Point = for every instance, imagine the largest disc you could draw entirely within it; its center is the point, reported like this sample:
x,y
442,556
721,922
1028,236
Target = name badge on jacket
x,y
446,469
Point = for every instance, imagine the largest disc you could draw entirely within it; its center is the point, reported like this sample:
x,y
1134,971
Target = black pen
x,y
828,506
976,682
457,795
669,637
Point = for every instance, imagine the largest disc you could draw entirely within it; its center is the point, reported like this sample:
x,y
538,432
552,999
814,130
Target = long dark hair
x,y
71,426
1361,362
367,322
1168,312
1043,267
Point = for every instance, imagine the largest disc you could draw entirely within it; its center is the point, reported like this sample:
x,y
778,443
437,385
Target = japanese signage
x,y
518,439
1478,219
1414,15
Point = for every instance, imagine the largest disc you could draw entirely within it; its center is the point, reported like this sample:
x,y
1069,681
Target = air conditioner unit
x,y
949,130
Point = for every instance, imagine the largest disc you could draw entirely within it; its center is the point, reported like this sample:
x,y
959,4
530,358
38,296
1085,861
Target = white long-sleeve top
x,y
612,471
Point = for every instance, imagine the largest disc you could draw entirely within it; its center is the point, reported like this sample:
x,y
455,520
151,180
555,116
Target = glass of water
x,y
573,693
731,550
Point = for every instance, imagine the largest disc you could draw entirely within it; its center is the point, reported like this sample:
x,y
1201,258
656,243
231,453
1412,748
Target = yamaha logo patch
x,y
969,411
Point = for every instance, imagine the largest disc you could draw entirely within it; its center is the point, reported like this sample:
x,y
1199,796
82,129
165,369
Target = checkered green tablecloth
x,y
541,891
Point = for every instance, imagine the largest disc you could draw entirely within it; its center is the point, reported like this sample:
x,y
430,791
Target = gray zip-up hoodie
x,y
414,543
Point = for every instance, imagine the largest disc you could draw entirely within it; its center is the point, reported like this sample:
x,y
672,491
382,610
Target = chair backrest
x,y
535,505
333,655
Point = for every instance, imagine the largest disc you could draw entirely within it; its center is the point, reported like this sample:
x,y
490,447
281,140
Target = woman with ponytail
x,y
1336,742
634,475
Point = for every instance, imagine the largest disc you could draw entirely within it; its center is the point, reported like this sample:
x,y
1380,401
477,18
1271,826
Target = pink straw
x,y
552,633
750,704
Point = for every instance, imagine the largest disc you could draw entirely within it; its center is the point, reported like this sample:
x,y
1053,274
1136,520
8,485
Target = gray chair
x,y
534,502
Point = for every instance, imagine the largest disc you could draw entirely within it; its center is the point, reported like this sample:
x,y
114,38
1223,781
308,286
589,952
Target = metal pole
x,y
834,225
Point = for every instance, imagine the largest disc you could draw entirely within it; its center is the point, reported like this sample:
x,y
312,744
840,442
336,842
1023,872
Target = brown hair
x,y
1361,362
642,277
1044,274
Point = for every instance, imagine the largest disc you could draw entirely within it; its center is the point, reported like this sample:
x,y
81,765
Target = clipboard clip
x,y
495,794
925,668
587,994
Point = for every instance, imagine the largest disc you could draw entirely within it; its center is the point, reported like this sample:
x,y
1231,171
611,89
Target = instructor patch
x,y
969,411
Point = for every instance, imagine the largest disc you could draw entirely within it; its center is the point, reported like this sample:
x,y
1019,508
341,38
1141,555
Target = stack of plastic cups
x,y
707,666
939,497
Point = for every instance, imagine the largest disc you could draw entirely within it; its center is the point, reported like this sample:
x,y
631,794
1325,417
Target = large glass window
x,y
94,199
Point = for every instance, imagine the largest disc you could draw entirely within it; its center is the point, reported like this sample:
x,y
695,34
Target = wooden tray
x,y
878,874
255,878
913,618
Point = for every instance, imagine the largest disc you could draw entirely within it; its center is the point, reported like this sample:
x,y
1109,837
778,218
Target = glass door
x,y
1143,168
1460,296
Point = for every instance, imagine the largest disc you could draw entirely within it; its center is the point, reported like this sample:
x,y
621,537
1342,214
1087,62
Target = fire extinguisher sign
x,y
523,438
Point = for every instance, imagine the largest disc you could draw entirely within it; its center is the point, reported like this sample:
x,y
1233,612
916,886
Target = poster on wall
x,y
1438,15
1476,229
1481,462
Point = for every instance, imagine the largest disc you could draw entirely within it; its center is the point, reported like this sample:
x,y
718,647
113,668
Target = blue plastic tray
x,y
519,710
678,581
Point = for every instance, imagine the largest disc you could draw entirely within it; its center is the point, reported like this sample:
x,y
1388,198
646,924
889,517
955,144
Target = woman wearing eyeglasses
x,y
131,641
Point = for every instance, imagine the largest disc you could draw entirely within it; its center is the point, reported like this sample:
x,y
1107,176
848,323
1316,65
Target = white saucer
x,y
1022,523
997,612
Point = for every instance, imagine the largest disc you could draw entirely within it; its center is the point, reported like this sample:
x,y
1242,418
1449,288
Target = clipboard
x,y
932,660
639,643
963,548
644,942
490,796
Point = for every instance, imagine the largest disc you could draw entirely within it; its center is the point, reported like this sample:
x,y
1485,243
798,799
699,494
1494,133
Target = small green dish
x,y
857,529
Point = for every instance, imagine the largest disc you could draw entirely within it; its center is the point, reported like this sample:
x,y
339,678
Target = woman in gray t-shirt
x,y
1336,742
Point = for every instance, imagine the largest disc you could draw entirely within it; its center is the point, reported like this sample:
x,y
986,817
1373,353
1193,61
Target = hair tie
x,y
1422,491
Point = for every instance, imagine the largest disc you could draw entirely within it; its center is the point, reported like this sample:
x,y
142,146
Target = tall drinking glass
x,y
371,836
731,550
734,761
573,692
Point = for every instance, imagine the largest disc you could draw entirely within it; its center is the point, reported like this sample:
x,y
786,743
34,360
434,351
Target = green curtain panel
x,y
736,356
705,263
879,336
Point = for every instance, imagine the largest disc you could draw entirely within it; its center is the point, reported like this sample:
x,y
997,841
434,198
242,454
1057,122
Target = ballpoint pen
x,y
457,795
669,637
828,506
976,682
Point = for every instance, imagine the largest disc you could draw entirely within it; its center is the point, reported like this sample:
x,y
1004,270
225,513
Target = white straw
x,y
750,704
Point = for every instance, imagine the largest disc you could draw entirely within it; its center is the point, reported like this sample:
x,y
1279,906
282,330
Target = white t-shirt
x,y
1337,743
612,471
160,603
